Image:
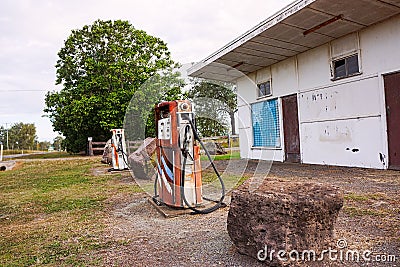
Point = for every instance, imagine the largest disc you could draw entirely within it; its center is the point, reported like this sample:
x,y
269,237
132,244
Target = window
x,y
265,119
264,89
345,67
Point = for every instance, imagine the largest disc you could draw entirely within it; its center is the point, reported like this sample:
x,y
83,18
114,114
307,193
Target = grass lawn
x,y
231,180
230,155
51,212
50,155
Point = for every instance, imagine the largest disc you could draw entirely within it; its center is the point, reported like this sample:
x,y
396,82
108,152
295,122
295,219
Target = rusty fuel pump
x,y
178,181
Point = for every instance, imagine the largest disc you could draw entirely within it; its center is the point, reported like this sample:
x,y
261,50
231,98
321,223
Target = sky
x,y
33,31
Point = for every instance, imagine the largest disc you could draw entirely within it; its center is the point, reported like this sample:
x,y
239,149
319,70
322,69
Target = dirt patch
x,y
369,220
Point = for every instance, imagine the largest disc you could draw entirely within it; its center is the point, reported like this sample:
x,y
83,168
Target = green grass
x,y
355,197
208,176
51,212
230,155
356,211
365,197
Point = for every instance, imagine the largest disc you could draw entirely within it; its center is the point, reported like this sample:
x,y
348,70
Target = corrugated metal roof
x,y
301,26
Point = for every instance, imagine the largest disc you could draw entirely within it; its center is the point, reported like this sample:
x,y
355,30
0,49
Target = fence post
x,y
1,152
90,146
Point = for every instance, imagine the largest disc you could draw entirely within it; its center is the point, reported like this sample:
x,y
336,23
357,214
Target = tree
x,y
22,136
58,143
43,145
217,100
100,68
140,118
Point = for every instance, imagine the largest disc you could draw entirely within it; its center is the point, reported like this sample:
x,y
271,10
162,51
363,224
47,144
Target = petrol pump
x,y
178,182
119,156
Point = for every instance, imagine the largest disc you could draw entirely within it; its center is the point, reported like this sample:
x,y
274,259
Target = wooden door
x,y
392,98
291,128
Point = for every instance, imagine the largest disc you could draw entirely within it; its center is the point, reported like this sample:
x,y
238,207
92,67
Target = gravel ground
x,y
370,219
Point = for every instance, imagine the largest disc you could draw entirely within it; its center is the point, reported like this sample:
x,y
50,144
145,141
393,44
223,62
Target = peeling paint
x,y
335,133
342,122
382,158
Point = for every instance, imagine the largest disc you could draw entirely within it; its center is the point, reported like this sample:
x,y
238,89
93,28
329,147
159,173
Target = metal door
x,y
291,128
392,98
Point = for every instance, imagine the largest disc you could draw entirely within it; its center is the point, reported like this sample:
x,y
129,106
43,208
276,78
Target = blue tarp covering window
x,y
265,118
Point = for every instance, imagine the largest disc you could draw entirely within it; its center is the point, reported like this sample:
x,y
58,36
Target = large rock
x,y
107,154
139,159
215,148
283,215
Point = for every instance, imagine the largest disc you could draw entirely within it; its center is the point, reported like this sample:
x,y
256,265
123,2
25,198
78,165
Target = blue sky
x,y
33,31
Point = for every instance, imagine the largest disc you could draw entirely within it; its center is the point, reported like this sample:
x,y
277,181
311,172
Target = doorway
x,y
291,128
392,100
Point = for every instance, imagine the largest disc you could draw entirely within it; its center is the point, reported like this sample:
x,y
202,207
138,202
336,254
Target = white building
x,y
322,83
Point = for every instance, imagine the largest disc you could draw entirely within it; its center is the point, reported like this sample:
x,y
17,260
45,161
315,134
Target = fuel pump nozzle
x,y
219,203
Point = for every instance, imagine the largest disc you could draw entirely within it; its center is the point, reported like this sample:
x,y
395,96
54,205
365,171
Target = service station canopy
x,y
301,26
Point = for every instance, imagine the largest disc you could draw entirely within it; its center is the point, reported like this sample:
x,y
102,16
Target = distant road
x,y
21,155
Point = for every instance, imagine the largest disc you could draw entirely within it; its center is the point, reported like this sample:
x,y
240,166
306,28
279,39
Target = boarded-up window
x,y
345,60
265,119
344,46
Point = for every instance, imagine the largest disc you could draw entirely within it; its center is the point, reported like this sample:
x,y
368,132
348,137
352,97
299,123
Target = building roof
x,y
303,25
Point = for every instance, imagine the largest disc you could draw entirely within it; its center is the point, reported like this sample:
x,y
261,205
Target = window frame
x,y
278,126
345,57
270,89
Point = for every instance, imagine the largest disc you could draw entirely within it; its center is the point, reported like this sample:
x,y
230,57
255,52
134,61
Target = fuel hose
x,y
185,152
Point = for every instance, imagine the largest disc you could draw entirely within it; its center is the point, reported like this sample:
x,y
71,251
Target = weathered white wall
x,y
339,118
380,47
246,91
341,122
314,68
348,99
284,77
353,142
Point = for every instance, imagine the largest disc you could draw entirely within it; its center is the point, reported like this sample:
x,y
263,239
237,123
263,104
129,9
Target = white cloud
x,y
33,31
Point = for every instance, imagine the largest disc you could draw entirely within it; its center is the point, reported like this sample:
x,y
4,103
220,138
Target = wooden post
x,y
90,146
1,152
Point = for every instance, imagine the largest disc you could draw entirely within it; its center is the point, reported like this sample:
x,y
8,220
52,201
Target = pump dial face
x,y
184,107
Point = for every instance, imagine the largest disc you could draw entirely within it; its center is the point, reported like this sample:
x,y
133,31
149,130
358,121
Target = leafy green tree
x,y
43,145
217,100
140,119
100,68
22,136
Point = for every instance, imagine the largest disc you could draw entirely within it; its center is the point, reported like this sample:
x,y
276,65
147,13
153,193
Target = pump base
x,y
117,170
170,211
167,211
